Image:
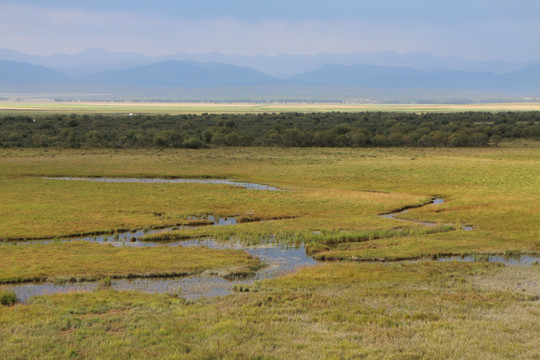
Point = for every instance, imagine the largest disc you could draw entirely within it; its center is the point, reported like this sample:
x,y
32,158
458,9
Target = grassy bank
x,y
85,261
334,311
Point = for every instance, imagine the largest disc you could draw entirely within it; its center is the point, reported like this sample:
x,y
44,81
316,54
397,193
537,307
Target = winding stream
x,y
279,259
436,201
246,185
133,238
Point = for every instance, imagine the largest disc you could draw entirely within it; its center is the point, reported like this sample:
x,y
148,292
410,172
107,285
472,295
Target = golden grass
x,y
338,310
332,190
334,311
78,261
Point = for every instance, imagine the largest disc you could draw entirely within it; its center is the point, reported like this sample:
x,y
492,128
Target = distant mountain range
x,y
105,69
521,81
22,72
184,74
93,60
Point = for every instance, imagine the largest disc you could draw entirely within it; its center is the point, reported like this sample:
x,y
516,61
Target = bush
x,y
8,298
284,129
192,143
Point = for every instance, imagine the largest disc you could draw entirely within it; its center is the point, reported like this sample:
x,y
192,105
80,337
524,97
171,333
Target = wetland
x,y
220,270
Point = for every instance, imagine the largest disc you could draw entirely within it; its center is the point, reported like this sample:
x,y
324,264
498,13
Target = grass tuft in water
x,y
480,257
105,283
513,254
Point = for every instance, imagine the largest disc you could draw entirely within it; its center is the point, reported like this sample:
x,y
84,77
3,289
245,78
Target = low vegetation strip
x,y
334,238
80,261
333,129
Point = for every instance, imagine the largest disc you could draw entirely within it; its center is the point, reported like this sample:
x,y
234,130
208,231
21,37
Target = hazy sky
x,y
472,29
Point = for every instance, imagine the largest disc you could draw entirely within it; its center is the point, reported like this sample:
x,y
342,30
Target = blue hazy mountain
x,y
324,81
526,79
523,80
23,72
184,74
361,75
283,65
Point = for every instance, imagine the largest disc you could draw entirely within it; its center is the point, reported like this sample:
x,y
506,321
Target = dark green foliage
x,y
332,129
7,298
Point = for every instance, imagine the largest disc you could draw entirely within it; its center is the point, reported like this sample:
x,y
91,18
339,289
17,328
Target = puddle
x,y
246,185
222,221
280,260
436,201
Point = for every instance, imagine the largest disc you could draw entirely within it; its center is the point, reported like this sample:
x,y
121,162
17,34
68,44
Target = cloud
x,y
443,29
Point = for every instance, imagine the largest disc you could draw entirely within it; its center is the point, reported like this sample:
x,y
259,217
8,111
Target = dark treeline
x,y
331,129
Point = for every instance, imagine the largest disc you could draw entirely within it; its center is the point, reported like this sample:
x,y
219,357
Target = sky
x,y
470,29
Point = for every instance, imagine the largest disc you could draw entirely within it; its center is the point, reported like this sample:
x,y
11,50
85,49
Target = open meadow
x,y
365,298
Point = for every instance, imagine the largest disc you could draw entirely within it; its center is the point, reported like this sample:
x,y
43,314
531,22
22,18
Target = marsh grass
x,y
333,190
337,310
334,238
79,261
105,283
480,257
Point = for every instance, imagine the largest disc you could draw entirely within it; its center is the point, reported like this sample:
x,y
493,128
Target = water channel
x,y
280,259
246,185
436,201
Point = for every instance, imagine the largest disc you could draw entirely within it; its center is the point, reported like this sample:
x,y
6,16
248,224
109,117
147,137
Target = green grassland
x,y
332,191
332,199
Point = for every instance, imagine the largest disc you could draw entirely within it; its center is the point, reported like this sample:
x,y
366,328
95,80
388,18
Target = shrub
x,y
7,298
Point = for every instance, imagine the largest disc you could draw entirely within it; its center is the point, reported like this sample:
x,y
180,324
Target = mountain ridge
x,y
185,74
93,60
192,74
